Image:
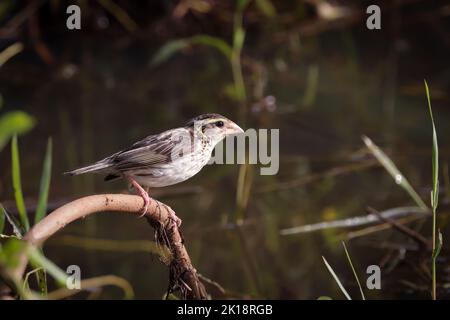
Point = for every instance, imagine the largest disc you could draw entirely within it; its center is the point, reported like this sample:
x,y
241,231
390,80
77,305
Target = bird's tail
x,y
96,167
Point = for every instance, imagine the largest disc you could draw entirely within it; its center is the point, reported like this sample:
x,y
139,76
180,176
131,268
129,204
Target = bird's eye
x,y
219,124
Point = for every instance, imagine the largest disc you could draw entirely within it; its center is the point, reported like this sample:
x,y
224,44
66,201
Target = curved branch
x,y
183,276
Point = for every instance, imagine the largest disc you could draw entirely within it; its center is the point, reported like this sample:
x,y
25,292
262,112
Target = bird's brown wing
x,y
152,151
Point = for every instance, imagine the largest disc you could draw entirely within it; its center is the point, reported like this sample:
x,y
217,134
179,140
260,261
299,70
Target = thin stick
x,y
421,240
158,215
357,221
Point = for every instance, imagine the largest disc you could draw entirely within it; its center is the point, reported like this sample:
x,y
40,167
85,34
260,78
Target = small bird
x,y
167,158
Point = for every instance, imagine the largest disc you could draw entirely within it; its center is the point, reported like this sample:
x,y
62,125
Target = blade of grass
x,y
174,46
120,14
392,169
336,279
2,218
436,243
354,271
17,183
37,259
45,184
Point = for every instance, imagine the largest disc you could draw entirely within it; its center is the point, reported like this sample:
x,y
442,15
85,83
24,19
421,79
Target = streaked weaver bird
x,y
167,158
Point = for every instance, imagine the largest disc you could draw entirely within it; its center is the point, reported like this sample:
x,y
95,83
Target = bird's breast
x,y
178,170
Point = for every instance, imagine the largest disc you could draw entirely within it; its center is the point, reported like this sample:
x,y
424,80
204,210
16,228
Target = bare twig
x,y
14,24
213,283
31,203
334,172
120,14
377,228
183,276
86,284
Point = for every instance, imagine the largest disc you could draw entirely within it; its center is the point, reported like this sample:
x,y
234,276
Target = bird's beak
x,y
232,129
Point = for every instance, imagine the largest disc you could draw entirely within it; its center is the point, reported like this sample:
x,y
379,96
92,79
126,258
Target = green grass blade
x,y
2,218
213,42
120,14
436,243
45,184
354,271
14,122
435,154
336,279
168,50
242,4
392,169
17,183
439,243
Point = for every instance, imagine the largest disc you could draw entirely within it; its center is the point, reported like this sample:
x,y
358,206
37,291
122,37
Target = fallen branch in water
x,y
417,237
358,221
182,275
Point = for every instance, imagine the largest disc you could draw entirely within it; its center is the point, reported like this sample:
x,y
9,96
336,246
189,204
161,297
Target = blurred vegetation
x,y
436,235
14,247
13,122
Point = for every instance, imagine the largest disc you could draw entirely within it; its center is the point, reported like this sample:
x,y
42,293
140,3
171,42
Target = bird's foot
x,y
146,199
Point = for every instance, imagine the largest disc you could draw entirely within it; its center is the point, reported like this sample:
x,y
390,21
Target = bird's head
x,y
214,127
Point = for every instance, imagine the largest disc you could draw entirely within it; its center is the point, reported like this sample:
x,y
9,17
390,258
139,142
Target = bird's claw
x,y
174,218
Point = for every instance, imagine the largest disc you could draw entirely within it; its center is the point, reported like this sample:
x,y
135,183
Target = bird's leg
x,y
143,193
